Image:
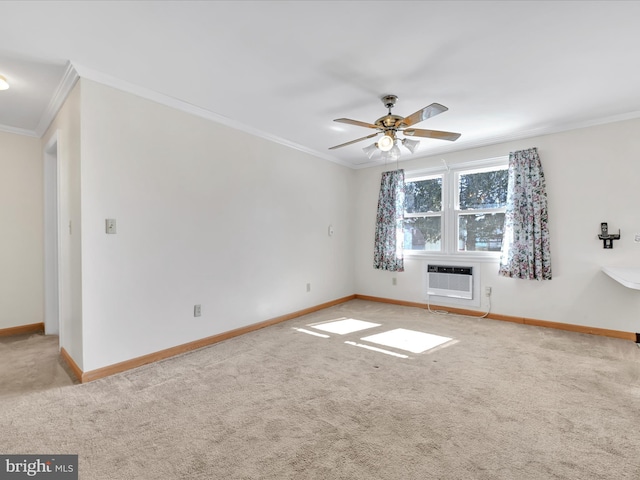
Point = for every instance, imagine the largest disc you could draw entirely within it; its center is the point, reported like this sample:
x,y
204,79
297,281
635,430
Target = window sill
x,y
478,257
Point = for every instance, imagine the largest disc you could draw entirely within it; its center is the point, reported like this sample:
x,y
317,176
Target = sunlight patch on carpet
x,y
410,340
376,349
304,330
342,327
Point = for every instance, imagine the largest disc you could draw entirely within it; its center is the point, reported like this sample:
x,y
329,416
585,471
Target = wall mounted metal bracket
x,y
606,237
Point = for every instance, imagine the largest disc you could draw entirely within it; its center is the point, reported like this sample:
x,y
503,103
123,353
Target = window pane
x,y
483,190
422,233
423,196
480,232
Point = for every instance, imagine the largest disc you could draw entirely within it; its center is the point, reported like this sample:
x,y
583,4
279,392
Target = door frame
x,y
51,175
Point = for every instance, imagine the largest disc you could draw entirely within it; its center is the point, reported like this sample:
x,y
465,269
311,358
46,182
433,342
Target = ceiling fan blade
x,y
354,141
417,132
427,112
356,122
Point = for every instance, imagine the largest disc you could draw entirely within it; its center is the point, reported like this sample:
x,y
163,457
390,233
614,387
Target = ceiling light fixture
x,y
390,125
412,145
391,150
371,150
4,85
386,143
392,155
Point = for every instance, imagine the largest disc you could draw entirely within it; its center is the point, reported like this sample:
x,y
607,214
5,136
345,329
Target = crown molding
x,y
65,86
61,93
538,132
514,136
75,71
18,131
172,102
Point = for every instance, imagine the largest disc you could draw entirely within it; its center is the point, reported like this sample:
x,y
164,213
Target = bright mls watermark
x,y
51,467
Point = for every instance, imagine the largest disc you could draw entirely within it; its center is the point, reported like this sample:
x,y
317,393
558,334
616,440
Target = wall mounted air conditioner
x,y
450,281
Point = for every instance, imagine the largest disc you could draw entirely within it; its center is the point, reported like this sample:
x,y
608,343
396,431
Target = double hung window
x,y
456,211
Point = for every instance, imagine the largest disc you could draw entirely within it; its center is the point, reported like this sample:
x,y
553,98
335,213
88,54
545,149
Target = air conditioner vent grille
x,y
448,281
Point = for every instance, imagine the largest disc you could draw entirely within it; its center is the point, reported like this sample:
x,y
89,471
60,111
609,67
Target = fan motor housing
x,y
388,121
389,101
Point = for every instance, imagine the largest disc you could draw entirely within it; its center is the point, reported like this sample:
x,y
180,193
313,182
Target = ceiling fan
x,y
390,125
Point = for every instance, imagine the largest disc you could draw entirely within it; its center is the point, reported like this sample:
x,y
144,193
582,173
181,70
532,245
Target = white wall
x,y
21,244
66,126
213,216
592,177
205,215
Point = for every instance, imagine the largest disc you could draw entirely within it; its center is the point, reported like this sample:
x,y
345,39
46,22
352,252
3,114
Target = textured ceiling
x,y
286,69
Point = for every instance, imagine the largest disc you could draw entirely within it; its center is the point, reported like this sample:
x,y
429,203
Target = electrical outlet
x,y
394,281
636,238
487,291
308,287
197,310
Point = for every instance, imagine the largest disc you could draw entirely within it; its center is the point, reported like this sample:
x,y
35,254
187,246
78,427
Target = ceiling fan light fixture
x,y
370,150
386,143
395,152
411,145
390,125
4,85
391,155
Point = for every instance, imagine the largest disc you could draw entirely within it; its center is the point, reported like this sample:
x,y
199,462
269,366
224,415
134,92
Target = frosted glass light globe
x,y
385,143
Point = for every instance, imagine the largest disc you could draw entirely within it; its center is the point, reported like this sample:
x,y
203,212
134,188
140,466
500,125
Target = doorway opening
x,y
51,238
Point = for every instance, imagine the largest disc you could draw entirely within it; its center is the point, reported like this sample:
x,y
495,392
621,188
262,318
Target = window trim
x,y
449,214
433,214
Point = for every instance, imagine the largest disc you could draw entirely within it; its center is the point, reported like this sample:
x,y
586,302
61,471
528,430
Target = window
x,y
423,213
458,210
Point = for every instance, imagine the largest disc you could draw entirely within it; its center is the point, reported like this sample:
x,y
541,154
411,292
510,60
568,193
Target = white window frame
x,y
450,208
439,214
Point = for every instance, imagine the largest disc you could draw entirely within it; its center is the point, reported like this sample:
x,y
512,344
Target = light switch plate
x,y
110,225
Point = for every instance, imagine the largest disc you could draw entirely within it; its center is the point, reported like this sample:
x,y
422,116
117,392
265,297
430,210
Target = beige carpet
x,y
30,363
499,401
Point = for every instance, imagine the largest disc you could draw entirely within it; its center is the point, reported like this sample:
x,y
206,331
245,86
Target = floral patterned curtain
x,y
388,242
525,246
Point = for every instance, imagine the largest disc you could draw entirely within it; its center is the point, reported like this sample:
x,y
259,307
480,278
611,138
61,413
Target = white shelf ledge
x,y
627,276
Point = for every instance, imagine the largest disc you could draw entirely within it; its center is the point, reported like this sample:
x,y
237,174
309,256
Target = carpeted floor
x,y
497,401
30,363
